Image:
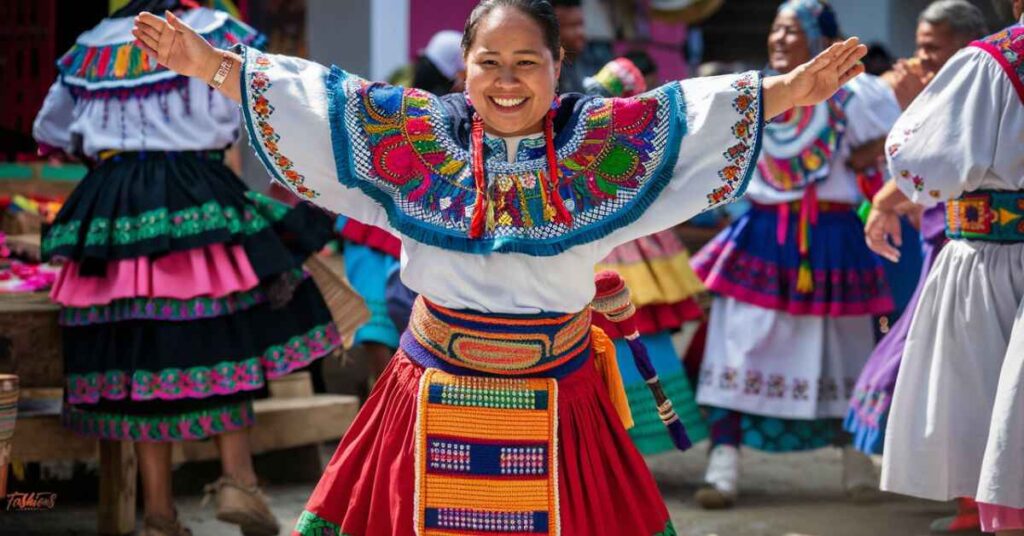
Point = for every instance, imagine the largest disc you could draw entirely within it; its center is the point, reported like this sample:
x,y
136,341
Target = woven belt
x,y
995,216
794,206
216,155
466,342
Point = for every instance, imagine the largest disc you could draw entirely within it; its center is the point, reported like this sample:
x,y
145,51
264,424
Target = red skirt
x,y
368,488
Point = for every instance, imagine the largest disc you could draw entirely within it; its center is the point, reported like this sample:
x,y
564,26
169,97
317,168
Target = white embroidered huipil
x,y
290,104
956,427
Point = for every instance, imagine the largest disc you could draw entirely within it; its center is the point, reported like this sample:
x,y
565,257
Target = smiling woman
x,y
497,415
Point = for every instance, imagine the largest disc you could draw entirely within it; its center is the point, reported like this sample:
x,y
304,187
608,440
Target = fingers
x,y
145,39
881,246
148,50
152,34
851,73
851,57
174,21
148,19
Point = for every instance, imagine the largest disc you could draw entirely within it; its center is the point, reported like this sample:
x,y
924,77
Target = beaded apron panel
x,y
486,456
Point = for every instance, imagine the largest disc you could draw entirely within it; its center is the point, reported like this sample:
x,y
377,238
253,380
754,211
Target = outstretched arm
x,y
815,80
179,48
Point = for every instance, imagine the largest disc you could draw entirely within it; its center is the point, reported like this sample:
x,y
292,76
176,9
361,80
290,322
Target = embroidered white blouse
x,y
965,132
135,111
388,157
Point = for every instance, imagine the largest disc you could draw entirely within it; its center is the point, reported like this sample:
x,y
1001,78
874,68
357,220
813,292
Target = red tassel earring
x,y
476,225
561,213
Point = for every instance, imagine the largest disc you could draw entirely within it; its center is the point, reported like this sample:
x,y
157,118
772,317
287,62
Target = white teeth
x,y
509,103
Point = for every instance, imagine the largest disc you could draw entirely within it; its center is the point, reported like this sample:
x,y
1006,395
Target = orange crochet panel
x,y
486,455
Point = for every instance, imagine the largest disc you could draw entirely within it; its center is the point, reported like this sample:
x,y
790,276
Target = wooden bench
x,y
281,423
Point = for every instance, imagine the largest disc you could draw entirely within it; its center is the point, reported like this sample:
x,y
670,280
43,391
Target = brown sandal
x,y
242,505
162,526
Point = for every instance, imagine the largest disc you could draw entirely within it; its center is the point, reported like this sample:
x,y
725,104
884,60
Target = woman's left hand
x,y
821,77
815,80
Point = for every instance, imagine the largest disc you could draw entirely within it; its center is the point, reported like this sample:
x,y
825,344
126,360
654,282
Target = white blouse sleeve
x,y
285,106
52,126
872,111
717,155
948,139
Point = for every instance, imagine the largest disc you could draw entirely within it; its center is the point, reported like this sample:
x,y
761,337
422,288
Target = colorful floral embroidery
x,y
190,426
1007,47
617,153
266,136
799,145
776,386
916,179
121,70
208,217
755,280
225,378
747,132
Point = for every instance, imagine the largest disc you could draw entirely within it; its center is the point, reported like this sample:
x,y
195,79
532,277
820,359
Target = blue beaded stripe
x,y
487,521
446,456
461,395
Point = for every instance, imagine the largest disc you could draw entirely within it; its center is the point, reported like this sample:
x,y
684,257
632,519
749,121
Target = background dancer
x,y
944,27
183,292
955,424
791,325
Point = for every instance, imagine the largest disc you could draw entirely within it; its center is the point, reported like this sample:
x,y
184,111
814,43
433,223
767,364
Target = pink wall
x,y
427,17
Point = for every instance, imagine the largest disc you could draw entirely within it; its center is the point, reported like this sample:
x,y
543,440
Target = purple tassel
x,y
642,360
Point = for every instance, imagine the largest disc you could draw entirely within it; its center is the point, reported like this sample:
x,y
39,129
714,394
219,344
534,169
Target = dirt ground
x,y
782,495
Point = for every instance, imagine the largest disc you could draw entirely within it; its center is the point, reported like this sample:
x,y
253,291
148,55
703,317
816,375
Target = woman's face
x,y
787,43
510,73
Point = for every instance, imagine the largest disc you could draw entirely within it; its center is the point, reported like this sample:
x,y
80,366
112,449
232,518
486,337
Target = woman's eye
x,y
489,63
527,63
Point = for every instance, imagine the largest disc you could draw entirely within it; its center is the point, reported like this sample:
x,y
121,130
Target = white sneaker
x,y
859,479
721,479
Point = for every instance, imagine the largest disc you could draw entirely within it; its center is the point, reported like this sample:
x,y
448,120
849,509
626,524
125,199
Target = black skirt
x,y
156,368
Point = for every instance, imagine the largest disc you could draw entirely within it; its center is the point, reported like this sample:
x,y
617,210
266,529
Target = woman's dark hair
x,y
157,7
427,77
539,10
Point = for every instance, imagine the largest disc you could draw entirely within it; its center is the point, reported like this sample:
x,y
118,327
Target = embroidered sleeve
x,y
285,110
723,123
946,141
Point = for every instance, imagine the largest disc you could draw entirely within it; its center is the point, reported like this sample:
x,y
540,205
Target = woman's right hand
x,y
175,45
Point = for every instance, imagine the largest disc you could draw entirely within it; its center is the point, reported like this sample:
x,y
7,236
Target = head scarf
x,y
817,19
445,52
